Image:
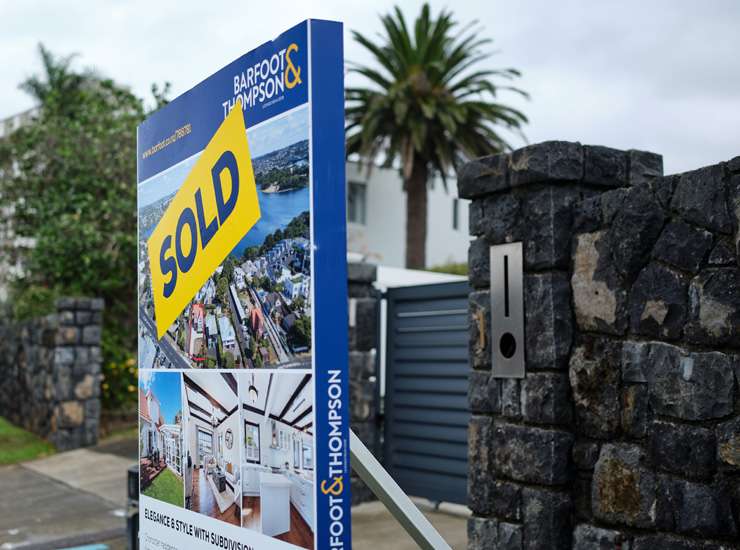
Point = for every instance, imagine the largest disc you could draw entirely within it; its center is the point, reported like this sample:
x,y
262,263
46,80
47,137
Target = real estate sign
x,y
243,399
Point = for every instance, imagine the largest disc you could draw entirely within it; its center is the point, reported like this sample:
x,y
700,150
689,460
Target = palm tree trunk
x,y
416,216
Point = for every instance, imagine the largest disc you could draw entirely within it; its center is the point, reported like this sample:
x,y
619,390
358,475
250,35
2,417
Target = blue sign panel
x,y
243,391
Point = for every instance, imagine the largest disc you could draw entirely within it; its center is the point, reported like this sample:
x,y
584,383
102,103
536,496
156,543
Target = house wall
x,y
625,432
381,240
50,367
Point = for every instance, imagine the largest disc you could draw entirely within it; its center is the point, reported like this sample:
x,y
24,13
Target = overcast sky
x,y
657,75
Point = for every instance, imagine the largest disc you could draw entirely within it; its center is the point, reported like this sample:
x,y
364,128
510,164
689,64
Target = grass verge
x,y
18,445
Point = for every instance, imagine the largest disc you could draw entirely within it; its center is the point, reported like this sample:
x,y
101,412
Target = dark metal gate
x,y
426,406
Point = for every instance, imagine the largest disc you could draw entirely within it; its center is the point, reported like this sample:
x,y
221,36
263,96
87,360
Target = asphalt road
x,y
167,347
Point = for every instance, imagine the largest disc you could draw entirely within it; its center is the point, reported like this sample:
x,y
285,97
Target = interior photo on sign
x,y
211,426
278,455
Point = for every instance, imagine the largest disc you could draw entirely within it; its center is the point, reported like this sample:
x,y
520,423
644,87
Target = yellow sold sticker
x,y
213,209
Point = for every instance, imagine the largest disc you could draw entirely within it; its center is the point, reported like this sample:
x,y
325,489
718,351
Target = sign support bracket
x,y
393,498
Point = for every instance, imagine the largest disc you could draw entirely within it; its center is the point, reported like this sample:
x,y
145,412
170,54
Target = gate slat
x,y
426,399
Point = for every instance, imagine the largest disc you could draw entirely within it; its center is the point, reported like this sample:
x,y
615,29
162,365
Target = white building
x,y
240,278
376,218
228,336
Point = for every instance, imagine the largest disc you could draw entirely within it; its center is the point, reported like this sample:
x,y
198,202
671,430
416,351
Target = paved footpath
x,y
79,497
68,499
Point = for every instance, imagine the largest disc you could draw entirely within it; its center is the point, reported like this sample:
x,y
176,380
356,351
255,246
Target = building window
x,y
252,442
356,204
455,214
205,441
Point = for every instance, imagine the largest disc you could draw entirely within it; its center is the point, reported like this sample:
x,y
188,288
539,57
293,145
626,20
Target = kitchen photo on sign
x,y
277,468
255,309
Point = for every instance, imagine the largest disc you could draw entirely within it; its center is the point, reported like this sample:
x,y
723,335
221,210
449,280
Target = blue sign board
x,y
243,391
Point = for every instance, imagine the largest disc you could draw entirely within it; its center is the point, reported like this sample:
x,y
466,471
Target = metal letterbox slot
x,y
507,311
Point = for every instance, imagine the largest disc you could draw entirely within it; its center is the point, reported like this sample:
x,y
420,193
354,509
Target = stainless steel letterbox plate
x,y
507,311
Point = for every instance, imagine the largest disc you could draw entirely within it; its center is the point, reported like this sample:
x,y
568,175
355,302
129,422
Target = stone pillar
x,y
76,373
521,436
51,373
626,430
364,301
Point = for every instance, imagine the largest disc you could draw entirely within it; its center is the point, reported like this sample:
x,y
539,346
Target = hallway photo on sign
x,y
211,427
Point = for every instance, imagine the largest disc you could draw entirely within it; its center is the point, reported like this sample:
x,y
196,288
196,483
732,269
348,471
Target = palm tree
x,y
427,107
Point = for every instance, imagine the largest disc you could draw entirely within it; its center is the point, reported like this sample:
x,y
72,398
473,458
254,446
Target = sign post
x,y
243,394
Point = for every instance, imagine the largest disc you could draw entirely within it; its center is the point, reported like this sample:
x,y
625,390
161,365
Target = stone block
x,y
700,198
64,356
587,216
482,533
476,217
612,203
478,398
594,379
545,398
362,400
634,361
683,246
70,414
83,303
635,411
479,306
67,335
664,188
363,335
479,263
96,354
480,464
483,176
728,444
502,218
659,303
507,500
547,519
91,335
547,161
599,296
548,320
532,455
493,389
511,405
693,386
644,166
65,303
585,454
97,304
660,541
703,510
86,387
714,308
83,317
548,226
685,450
92,409
605,166
581,495
623,489
590,537
634,231
360,272
509,536
66,317
723,254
